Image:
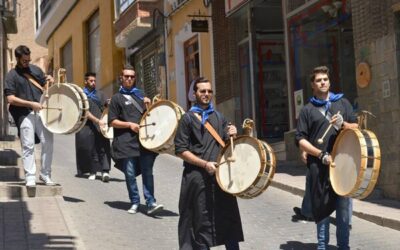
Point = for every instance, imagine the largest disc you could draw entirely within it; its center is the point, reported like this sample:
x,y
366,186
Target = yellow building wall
x,y
74,26
176,23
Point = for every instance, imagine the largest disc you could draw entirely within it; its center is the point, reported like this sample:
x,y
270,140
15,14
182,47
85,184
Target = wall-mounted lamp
x,y
332,9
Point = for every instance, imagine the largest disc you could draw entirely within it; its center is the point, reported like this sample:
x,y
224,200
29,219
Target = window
x,y
93,45
122,5
66,60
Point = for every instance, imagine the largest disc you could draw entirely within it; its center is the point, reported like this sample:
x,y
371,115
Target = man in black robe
x,y
325,108
208,216
92,148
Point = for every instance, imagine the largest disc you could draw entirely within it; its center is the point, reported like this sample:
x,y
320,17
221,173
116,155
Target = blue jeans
x,y
342,226
306,209
145,163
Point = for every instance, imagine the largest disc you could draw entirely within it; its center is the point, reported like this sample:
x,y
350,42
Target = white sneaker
x,y
105,177
46,179
133,209
154,208
92,177
31,182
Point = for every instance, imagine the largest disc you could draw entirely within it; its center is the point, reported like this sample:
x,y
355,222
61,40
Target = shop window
x,y
122,5
93,45
66,60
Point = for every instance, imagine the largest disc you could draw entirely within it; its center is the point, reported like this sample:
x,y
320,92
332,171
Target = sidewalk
x,y
34,218
290,176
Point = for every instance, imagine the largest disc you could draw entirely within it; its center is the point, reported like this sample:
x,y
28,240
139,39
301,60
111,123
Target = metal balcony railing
x,y
8,7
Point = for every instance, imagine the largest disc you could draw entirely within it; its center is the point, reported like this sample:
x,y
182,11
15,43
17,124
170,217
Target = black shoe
x,y
300,216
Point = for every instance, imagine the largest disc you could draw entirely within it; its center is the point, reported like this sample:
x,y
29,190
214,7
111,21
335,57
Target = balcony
x,y
135,22
50,16
8,14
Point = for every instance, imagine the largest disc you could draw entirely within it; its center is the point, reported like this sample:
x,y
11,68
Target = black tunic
x,y
92,148
208,215
311,125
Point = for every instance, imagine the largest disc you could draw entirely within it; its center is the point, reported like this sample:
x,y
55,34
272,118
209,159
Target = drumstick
x,y
321,140
52,108
145,125
231,158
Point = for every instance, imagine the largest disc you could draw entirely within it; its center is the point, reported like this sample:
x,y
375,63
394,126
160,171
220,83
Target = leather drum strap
x,y
214,134
34,82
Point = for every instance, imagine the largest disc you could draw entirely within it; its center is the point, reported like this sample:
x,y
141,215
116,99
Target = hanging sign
x,y
199,25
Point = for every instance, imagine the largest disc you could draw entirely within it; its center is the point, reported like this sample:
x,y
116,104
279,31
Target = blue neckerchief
x,y
203,112
92,95
137,92
326,103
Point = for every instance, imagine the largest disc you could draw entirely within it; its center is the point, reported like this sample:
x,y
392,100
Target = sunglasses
x,y
129,76
203,91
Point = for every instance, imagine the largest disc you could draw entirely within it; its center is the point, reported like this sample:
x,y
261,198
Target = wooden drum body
x,y
108,132
252,170
357,159
64,109
165,116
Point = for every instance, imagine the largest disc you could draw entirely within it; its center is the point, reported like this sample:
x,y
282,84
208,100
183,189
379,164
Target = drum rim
x,y
80,106
260,173
85,109
363,165
174,106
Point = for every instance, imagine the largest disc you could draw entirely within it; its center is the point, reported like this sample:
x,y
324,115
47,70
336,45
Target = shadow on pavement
x,y
122,205
72,199
291,168
142,209
85,176
297,245
16,230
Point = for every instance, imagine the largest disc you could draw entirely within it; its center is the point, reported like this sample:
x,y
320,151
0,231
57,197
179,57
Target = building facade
x,y
79,36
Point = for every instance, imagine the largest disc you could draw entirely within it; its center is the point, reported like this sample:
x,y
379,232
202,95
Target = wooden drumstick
x,y
321,140
52,108
231,158
145,125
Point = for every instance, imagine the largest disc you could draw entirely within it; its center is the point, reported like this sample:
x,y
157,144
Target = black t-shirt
x,y
125,143
17,84
193,137
312,124
96,108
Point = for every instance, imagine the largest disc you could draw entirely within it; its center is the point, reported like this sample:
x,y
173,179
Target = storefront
x,y
320,33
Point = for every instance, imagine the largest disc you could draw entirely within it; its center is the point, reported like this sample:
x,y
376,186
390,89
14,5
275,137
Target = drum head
x,y
62,109
108,132
165,119
347,158
236,176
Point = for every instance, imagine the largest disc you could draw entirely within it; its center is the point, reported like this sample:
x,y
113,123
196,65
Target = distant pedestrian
x,y
208,216
323,110
125,111
194,75
92,148
23,88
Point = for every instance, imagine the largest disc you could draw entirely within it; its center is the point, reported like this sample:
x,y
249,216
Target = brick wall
x,y
377,42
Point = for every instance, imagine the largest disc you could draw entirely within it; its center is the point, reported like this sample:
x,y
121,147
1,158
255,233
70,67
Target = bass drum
x,y
357,160
106,131
251,170
159,125
64,109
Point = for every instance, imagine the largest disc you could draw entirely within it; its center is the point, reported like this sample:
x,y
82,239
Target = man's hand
x,y
102,124
210,167
147,101
231,130
326,159
337,121
303,156
36,106
49,79
134,127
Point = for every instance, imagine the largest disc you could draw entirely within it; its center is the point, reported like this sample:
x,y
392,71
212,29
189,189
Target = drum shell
x,y
252,171
73,106
107,132
160,137
357,159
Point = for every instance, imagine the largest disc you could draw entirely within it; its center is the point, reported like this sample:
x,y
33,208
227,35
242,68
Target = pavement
x,y
36,220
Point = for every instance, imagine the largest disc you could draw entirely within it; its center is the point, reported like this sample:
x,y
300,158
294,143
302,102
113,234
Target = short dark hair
x,y
21,50
319,70
197,81
127,67
89,74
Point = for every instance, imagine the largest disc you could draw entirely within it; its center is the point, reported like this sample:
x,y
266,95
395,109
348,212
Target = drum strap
x,y
134,102
34,82
214,133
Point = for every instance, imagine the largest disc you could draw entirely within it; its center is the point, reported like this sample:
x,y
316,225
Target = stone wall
x,y
376,42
